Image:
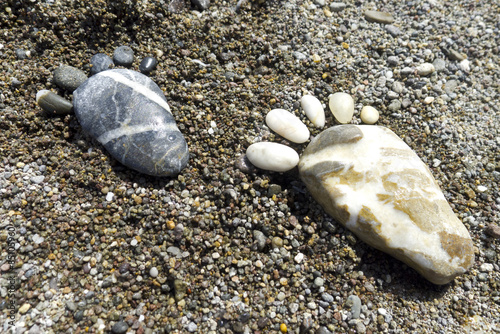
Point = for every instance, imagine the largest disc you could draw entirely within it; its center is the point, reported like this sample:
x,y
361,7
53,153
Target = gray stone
x,y
53,104
68,77
148,65
450,86
100,62
128,114
393,30
395,105
119,328
377,16
260,239
337,6
354,303
124,56
439,65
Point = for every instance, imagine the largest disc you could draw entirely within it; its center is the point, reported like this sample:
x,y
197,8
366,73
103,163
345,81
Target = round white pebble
x,y
314,110
110,196
342,107
153,272
299,257
369,115
272,156
425,69
287,125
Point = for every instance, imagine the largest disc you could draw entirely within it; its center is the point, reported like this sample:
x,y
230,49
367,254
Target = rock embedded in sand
x,y
128,114
52,103
287,125
272,156
369,115
342,107
387,196
378,16
69,77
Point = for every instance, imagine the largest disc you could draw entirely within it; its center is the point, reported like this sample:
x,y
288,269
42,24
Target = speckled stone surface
x,y
369,180
128,114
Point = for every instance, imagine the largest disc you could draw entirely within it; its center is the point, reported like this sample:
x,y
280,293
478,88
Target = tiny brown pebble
x,y
52,256
493,230
67,290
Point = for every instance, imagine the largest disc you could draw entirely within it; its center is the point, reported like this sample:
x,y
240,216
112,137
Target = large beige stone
x,y
370,181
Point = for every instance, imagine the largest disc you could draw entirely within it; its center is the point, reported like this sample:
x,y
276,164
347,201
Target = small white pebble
x,y
481,189
486,267
272,156
429,100
215,255
109,196
342,107
314,110
133,242
299,257
287,125
425,69
369,115
153,272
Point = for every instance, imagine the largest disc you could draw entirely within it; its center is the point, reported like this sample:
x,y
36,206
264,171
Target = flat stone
x,y
68,77
377,16
129,115
387,196
53,104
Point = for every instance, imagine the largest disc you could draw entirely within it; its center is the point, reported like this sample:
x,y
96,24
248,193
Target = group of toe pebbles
x,y
364,176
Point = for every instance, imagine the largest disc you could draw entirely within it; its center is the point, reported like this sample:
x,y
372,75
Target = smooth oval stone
x,y
342,107
314,110
128,114
425,69
123,56
287,125
53,104
369,115
387,196
380,17
69,77
272,156
100,62
148,65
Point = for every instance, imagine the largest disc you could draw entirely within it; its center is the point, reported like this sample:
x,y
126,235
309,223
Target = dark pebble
x,y
100,62
78,316
53,104
244,165
71,306
201,4
123,56
68,77
120,327
148,65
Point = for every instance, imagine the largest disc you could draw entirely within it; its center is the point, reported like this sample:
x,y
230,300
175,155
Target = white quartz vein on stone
x,y
138,88
126,130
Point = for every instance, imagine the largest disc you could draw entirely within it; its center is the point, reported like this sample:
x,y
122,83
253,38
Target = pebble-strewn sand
x,y
224,247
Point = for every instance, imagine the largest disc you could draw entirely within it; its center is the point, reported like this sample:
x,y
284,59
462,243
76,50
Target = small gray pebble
x,y
395,105
393,30
120,327
192,327
439,65
323,330
318,282
260,239
69,77
78,316
21,54
244,165
148,65
337,6
393,60
53,104
71,306
124,56
37,179
201,4
100,62
377,16
355,304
